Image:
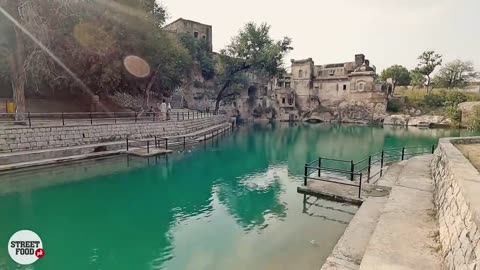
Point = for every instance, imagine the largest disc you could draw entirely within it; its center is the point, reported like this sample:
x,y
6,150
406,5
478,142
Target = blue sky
x,y
387,31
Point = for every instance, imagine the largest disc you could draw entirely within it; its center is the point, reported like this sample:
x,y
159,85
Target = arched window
x,y
300,73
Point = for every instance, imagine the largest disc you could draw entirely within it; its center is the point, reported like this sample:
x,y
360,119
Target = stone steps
x,y
404,235
391,175
25,159
350,249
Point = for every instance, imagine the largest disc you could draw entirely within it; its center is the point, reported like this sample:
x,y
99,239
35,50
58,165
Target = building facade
x,y
348,89
196,29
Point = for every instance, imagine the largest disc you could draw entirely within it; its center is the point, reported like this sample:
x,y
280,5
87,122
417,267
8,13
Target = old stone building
x,y
196,29
342,91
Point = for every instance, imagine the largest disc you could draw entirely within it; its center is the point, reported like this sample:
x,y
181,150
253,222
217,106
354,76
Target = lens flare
x,y
136,66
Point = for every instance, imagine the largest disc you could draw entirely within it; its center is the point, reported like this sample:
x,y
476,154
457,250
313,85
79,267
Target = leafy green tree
x,y
91,39
428,61
252,51
455,74
199,52
417,79
398,74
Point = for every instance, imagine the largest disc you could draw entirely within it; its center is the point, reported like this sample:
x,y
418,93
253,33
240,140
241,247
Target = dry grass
x,y
418,94
471,152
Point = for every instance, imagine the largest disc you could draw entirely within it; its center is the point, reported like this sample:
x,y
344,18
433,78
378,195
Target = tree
x,y
13,48
252,51
88,41
417,79
455,74
398,74
429,60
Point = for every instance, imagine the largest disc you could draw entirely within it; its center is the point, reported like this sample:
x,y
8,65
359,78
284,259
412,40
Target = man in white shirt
x,y
163,110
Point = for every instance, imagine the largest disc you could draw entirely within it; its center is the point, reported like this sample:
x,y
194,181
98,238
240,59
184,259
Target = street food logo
x,y
25,247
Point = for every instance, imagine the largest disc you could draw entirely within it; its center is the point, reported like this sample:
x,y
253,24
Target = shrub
x,y
474,121
454,114
393,105
435,100
453,98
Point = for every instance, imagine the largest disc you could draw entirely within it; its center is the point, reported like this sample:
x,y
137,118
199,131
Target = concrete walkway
x,y
404,236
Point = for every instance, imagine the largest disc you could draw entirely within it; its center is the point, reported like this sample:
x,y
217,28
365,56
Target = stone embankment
x,y
457,201
394,120
36,138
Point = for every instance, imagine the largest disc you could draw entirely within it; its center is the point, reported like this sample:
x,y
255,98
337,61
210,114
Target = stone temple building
x,y
196,29
341,91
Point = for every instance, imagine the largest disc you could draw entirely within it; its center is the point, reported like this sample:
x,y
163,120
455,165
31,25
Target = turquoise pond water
x,y
230,204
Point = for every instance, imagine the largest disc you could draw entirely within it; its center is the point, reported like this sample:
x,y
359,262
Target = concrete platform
x,y
404,236
142,152
342,193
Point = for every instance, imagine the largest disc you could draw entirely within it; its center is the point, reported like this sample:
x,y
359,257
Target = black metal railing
x,y
177,142
91,118
370,167
144,144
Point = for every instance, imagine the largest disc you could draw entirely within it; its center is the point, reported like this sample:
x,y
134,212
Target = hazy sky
x,y
387,31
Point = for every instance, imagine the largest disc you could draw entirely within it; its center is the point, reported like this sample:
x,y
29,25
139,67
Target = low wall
x,y
457,201
21,139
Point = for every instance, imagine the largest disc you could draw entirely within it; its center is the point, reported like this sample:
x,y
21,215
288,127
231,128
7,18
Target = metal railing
x,y
371,166
176,142
91,118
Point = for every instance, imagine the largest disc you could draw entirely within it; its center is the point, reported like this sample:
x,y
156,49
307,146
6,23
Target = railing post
x,y
153,117
115,117
403,153
135,117
148,147
63,120
305,175
178,116
184,145
91,118
183,116
360,186
29,120
369,168
433,148
381,163
166,143
319,166
205,138
352,168
156,145
127,143
188,115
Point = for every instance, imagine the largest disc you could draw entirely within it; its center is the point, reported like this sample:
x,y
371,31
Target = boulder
x,y
467,109
407,120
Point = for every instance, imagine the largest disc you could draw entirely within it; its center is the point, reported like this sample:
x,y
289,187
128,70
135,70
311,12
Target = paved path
x,y
404,236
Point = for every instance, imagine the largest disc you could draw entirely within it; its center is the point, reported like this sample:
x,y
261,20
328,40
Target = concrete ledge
x,y
51,161
349,251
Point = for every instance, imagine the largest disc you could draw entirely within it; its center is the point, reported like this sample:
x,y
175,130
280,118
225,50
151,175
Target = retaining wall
x,y
457,201
21,139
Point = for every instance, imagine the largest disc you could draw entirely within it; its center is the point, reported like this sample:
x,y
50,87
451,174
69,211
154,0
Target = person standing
x,y
169,110
163,110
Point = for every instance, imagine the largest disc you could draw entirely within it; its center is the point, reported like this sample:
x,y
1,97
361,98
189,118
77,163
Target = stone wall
x,y
457,201
22,139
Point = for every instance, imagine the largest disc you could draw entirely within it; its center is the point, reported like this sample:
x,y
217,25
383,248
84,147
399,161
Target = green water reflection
x,y
230,204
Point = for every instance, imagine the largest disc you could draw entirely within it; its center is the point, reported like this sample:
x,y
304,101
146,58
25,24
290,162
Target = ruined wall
x,y
456,198
22,139
186,26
